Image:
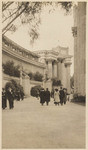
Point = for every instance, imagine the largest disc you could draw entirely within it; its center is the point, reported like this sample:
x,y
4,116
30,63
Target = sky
x,y
54,30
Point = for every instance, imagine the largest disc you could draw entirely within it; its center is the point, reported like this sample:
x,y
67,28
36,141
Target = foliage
x,y
31,75
29,13
35,76
15,88
35,91
66,5
79,98
10,69
56,82
38,76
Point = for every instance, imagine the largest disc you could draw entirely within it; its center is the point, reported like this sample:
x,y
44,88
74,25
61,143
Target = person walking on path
x,y
56,97
47,96
42,97
65,96
10,98
62,94
4,100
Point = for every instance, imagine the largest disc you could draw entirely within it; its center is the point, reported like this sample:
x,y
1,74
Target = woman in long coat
x,y
47,96
56,97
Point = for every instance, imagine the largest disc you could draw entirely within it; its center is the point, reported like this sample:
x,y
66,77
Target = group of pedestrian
x,y
10,96
60,96
44,96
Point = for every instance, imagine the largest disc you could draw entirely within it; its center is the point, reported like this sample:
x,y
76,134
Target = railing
x,y
19,50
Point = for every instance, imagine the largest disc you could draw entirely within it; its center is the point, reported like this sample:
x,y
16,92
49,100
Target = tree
x,y
38,76
56,82
10,69
29,13
31,75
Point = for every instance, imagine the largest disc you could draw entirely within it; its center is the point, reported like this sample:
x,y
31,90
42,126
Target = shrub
x,y
30,74
38,76
10,69
56,82
15,88
79,98
35,91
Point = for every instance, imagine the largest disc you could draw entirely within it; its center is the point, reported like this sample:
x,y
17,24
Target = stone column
x,y
80,49
50,68
59,70
26,85
68,78
63,74
55,69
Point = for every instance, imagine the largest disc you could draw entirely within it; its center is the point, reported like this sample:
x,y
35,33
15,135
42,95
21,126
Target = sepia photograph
x,y
43,93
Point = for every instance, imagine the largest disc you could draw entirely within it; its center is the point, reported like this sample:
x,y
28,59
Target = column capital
x,y
61,60
49,60
55,61
67,64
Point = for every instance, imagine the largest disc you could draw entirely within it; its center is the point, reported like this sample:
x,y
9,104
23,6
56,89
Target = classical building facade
x,y
53,63
57,63
27,60
79,33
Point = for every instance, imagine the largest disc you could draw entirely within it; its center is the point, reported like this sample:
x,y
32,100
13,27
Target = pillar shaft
x,y
63,73
50,69
59,70
68,78
55,69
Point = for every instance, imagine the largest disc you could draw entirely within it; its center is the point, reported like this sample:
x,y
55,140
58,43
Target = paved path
x,y
30,125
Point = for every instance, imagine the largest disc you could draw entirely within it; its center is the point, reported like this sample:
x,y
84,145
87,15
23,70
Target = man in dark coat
x,y
65,95
4,100
10,98
62,95
47,96
42,97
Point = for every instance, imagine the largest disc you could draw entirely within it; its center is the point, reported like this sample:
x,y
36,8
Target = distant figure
x,y
56,97
62,95
71,97
47,96
52,93
18,95
42,97
10,98
65,96
38,93
4,100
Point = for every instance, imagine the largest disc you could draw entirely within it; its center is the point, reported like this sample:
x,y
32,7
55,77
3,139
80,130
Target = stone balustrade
x,y
18,49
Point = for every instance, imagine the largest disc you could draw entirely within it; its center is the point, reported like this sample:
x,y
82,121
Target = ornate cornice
x,y
15,45
21,58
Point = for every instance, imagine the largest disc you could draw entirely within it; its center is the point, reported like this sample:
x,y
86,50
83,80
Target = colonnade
x,y
59,69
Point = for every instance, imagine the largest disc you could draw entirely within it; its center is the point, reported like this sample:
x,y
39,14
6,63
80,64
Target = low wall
x,y
6,78
35,83
26,83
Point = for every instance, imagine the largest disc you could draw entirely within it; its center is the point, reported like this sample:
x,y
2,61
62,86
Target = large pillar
x,y
63,73
26,85
79,48
68,78
59,70
50,68
55,69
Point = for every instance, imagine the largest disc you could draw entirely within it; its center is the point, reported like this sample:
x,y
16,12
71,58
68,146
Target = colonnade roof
x,y
58,54
18,46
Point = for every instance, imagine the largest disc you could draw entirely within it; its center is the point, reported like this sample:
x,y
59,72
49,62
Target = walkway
x,y
30,125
